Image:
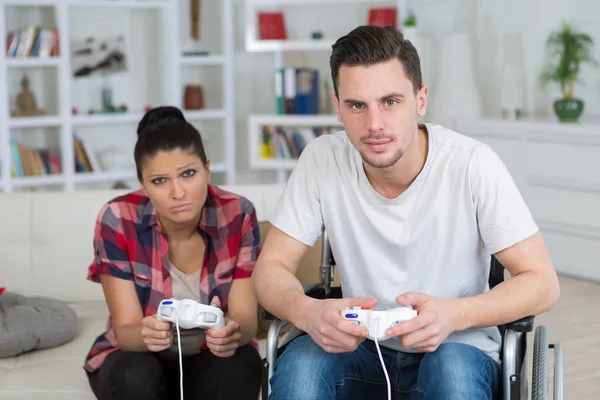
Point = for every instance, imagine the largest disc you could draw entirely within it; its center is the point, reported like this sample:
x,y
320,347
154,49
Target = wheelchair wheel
x,y
539,387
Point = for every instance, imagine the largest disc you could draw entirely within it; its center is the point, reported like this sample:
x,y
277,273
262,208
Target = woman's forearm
x,y
129,338
248,327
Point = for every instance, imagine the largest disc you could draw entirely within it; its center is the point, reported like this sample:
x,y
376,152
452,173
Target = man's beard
x,y
382,163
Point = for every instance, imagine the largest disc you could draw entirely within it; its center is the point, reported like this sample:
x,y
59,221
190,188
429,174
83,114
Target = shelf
x,y
286,3
204,114
257,46
58,91
30,3
106,119
31,62
90,3
274,164
35,122
202,60
98,177
130,4
294,120
42,180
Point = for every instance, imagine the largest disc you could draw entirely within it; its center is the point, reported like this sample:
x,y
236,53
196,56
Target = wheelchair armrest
x,y
522,325
314,290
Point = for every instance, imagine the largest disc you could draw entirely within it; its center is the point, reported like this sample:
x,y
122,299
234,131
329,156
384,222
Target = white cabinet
x,y
557,169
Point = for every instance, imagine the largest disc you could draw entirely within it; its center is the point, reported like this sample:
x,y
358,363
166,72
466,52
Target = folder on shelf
x,y
289,90
279,104
307,91
297,90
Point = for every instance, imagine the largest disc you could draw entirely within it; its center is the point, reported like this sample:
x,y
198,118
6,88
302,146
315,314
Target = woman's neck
x,y
180,232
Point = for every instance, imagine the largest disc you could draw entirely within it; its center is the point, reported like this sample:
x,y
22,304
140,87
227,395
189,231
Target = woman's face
x,y
177,183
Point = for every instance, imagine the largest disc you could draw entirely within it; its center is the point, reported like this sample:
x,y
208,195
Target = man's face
x,y
379,110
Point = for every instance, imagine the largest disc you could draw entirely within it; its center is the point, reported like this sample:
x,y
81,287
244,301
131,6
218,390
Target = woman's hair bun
x,y
158,114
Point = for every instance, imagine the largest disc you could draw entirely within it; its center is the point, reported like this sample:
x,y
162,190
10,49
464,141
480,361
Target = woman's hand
x,y
223,342
157,335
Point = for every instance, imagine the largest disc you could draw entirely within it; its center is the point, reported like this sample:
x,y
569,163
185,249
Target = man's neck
x,y
393,181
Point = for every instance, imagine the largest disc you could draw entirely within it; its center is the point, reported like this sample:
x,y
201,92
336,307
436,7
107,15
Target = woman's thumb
x,y
215,301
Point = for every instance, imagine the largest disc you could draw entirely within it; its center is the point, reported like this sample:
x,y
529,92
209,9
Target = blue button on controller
x,y
351,315
167,302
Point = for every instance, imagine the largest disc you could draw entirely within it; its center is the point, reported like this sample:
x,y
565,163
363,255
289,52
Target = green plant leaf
x,y
567,49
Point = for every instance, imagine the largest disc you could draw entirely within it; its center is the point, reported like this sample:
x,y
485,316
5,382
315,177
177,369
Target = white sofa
x,y
45,249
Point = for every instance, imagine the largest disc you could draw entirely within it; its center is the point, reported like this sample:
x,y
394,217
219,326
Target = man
x,y
413,213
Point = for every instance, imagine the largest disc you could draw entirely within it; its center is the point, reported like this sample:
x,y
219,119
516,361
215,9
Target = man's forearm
x,y
529,293
129,338
279,291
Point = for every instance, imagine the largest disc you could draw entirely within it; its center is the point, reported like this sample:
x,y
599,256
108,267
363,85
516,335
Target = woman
x,y
177,237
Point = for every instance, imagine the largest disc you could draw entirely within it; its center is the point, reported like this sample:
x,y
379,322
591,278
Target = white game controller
x,y
190,314
378,321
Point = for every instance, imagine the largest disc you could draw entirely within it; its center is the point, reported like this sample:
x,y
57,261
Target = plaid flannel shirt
x,y
129,243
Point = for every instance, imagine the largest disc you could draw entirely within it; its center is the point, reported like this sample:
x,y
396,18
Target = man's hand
x,y
223,342
436,319
325,324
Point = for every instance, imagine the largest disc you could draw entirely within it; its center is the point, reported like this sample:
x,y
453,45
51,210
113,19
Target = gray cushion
x,y
33,323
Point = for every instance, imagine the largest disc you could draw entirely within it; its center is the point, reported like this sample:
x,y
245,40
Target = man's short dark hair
x,y
369,45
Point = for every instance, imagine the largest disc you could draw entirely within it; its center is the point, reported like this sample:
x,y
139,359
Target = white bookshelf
x,y
255,124
295,44
163,84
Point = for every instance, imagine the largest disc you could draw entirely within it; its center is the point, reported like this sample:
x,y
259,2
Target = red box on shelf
x,y
386,16
271,26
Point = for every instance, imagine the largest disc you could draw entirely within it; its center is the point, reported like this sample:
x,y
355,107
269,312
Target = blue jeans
x,y
454,371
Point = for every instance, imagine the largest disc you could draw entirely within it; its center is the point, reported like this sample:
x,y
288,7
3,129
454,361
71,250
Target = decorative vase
x,y
410,33
568,110
194,97
456,95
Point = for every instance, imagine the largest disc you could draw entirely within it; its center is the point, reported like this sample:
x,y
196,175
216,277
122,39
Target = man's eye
x,y
390,102
357,106
189,172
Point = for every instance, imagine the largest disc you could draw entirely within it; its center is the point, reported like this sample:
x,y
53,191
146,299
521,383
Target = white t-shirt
x,y
435,238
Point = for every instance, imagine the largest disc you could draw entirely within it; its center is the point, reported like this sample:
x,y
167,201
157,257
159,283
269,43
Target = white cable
x,y
387,378
180,357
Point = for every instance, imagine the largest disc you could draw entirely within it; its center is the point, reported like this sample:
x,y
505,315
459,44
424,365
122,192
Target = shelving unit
x,y
278,48
257,122
153,78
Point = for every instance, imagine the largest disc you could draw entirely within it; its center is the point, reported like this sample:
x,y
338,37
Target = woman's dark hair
x,y
166,135
157,114
370,45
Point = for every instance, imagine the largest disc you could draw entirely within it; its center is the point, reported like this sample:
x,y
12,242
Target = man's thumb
x,y
215,301
411,299
366,302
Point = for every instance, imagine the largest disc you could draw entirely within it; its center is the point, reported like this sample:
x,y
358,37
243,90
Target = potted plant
x,y
409,28
568,50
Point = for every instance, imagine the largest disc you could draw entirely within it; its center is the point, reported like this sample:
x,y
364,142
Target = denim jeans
x,y
454,371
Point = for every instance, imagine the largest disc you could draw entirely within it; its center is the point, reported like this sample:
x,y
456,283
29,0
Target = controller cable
x,y
387,378
180,357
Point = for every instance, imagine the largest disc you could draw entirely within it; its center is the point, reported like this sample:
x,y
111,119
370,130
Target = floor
x,y
575,323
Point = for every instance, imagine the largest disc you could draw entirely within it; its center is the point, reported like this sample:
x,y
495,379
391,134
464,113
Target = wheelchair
x,y
513,352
